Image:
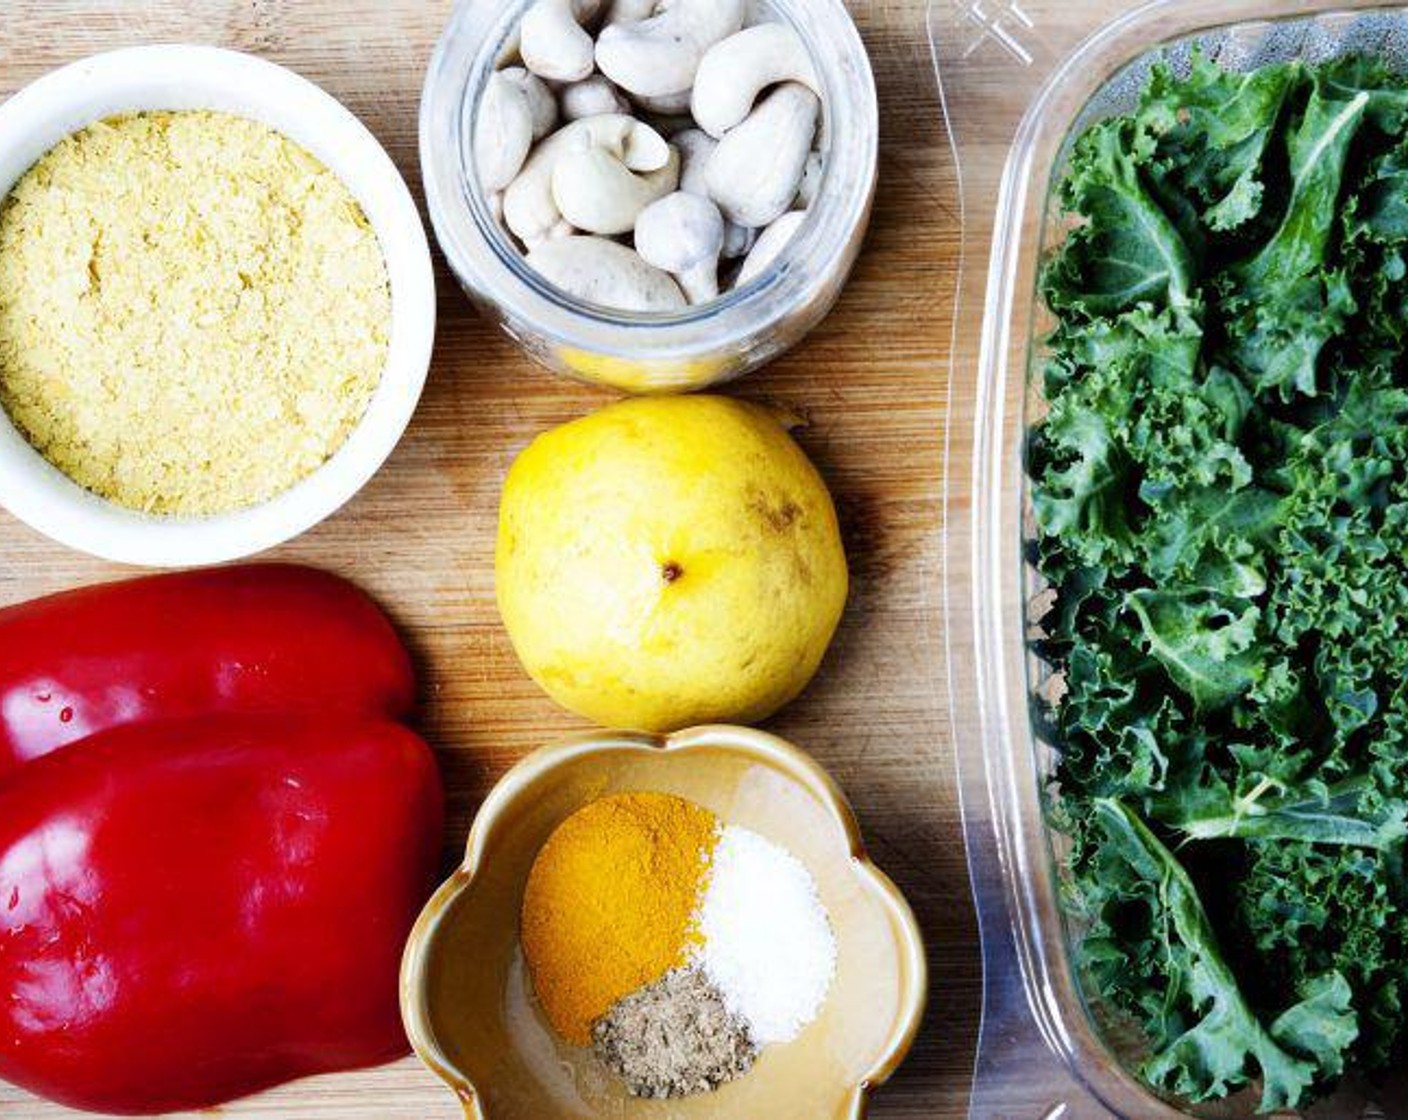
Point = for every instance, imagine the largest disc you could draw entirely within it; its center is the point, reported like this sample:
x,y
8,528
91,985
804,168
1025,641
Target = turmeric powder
x,y
611,904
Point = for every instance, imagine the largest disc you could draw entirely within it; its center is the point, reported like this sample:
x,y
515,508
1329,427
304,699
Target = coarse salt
x,y
768,945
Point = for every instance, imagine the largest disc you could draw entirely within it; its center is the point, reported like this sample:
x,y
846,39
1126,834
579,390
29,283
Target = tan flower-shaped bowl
x,y
465,993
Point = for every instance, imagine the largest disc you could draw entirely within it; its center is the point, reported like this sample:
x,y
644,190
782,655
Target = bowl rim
x,y
174,77
796,763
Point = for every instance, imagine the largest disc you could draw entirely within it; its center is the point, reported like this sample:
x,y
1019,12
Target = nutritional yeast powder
x,y
194,311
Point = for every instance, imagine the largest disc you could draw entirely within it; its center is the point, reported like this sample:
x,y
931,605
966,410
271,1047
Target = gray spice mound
x,y
675,1038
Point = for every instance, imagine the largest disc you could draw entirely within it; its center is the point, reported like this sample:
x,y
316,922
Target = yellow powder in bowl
x,y
610,904
194,311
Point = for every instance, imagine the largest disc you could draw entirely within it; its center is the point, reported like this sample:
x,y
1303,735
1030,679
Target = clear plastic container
x,y
704,345
1020,79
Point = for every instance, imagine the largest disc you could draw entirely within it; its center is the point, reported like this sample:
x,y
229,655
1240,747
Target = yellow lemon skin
x,y
644,378
668,562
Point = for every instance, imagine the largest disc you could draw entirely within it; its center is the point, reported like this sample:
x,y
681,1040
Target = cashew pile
x,y
571,146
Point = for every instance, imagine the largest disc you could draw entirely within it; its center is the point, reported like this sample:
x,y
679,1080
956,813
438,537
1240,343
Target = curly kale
x,y
1220,488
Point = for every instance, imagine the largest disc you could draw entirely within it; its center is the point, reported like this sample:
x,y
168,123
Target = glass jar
x,y
651,353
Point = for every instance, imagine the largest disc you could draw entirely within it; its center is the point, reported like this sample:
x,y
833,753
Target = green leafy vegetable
x,y
1213,134
1350,815
1220,488
1202,1059
1130,252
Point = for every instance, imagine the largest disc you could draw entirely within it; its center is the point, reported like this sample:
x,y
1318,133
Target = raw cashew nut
x,y
671,105
659,56
598,193
542,106
503,133
811,183
684,235
733,73
605,273
553,42
529,208
562,229
757,168
631,11
770,245
696,148
517,108
738,240
592,98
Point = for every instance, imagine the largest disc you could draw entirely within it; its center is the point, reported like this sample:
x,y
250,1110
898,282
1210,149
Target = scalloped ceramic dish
x,y
465,994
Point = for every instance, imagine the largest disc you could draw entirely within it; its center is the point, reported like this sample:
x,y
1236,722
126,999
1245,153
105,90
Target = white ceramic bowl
x,y
189,77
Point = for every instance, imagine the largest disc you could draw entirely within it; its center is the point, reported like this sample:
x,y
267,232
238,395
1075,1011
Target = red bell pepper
x,y
258,638
193,910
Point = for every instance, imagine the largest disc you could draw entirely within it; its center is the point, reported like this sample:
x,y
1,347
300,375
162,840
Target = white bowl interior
x,y
186,77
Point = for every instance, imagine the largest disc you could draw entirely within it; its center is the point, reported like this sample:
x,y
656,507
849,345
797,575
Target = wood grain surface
x,y
873,382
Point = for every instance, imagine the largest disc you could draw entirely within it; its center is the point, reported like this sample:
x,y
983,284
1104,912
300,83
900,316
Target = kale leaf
x,y
1209,1038
1220,493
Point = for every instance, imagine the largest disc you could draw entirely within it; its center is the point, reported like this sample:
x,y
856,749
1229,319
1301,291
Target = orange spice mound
x,y
611,904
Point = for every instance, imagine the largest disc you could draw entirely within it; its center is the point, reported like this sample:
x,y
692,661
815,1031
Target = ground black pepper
x,y
675,1038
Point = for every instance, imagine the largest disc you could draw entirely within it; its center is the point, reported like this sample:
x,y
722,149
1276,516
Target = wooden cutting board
x,y
873,382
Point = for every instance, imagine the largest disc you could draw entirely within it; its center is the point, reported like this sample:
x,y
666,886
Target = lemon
x,y
670,562
631,376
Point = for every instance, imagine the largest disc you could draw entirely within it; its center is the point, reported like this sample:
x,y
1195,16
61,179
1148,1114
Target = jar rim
x,y
482,254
